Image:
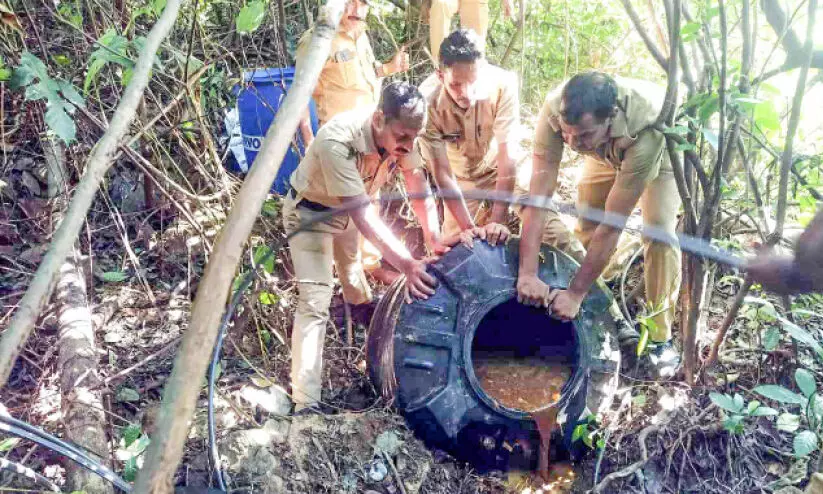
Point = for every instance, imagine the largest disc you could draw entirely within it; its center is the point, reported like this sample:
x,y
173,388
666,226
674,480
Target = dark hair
x,y
463,45
589,92
402,101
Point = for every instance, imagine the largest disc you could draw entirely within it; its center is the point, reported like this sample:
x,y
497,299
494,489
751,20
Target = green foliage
x,y
60,95
114,276
132,446
590,433
735,410
8,444
72,13
264,258
115,49
250,17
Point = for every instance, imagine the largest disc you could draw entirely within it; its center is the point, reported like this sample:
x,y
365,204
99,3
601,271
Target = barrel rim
x,y
268,75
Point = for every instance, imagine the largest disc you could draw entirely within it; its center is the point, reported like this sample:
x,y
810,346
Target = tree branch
x,y
796,55
183,385
794,121
638,24
99,162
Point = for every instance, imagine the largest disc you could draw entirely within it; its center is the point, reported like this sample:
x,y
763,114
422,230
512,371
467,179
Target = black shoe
x,y
665,358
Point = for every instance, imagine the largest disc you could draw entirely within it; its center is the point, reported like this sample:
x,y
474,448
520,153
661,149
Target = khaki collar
x,y
484,91
620,122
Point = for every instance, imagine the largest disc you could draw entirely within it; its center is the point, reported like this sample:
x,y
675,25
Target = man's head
x,y
399,118
461,57
354,17
589,102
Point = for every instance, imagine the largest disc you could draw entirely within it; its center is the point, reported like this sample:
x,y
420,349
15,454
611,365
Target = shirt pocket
x,y
342,74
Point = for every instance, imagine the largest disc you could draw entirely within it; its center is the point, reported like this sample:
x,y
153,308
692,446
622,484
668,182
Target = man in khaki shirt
x,y
351,79
469,140
609,122
354,154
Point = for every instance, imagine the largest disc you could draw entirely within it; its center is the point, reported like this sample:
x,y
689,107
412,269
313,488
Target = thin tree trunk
x,y
81,406
99,162
183,386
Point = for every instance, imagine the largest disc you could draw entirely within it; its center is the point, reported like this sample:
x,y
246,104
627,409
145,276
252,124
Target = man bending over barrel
x,y
351,79
353,155
610,122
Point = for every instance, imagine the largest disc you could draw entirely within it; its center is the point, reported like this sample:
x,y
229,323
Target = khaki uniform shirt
x,y
348,79
634,149
343,161
470,136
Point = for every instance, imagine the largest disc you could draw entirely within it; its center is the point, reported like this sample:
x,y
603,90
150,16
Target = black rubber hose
x,y
24,471
23,430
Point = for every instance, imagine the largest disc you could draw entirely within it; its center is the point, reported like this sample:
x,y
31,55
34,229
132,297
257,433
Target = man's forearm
x,y
530,236
380,235
602,245
424,206
454,200
505,182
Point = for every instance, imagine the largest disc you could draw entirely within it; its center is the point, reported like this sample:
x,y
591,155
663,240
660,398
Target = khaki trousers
x,y
659,204
315,252
474,14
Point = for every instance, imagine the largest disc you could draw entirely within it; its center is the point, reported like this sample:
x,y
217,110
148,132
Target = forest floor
x,y
141,307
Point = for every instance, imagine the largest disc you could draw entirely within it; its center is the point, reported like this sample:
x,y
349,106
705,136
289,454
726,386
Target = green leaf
x,y
8,444
763,412
250,17
639,400
689,31
5,74
125,394
801,335
804,443
710,137
738,401
69,92
780,394
271,208
61,124
601,443
686,146
114,276
676,130
130,470
264,257
587,440
788,422
578,432
725,402
766,116
158,6
643,342
131,434
752,406
268,298
805,381
771,338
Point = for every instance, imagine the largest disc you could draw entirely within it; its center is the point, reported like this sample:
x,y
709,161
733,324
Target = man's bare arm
x,y
424,208
306,131
447,183
505,182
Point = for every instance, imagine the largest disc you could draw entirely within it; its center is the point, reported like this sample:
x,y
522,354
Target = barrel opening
x,y
522,357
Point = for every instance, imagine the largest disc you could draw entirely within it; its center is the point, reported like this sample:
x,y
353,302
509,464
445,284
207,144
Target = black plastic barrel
x,y
420,355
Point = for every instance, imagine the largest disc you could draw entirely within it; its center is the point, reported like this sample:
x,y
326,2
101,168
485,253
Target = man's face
x,y
587,135
395,136
354,17
460,81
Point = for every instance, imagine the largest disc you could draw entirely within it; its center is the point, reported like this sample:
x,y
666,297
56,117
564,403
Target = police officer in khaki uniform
x,y
353,155
469,140
474,15
350,79
609,121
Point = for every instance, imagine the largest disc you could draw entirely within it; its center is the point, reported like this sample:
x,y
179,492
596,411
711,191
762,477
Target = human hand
x,y
533,292
496,233
565,305
400,61
419,283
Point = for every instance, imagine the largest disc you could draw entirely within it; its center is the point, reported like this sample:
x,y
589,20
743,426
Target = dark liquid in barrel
x,y
526,384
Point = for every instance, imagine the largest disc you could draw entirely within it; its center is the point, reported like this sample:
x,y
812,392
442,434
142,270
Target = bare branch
x,y
638,24
796,55
794,121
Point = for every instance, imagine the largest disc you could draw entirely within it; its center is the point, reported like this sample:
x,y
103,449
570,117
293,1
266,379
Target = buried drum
x,y
468,366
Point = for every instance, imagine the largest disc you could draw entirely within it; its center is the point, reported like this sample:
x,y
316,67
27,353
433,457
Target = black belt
x,y
310,205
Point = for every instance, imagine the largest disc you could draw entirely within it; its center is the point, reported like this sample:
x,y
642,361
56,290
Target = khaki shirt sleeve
x,y
548,140
338,164
432,138
508,111
641,161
